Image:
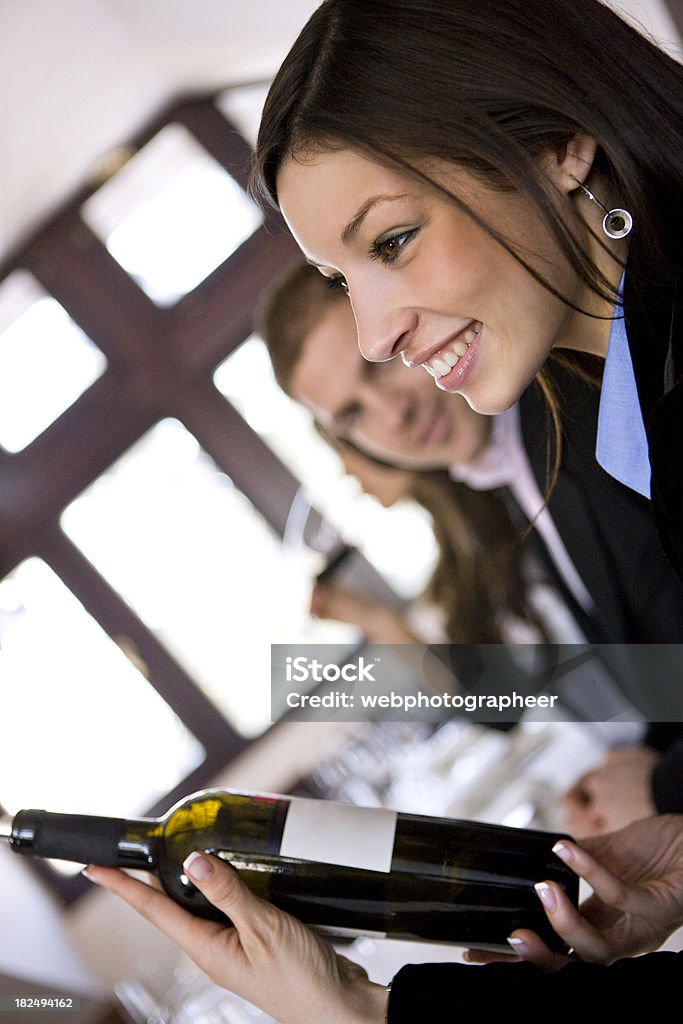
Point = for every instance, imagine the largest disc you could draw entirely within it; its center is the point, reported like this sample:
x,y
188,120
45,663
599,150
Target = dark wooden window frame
x,y
160,363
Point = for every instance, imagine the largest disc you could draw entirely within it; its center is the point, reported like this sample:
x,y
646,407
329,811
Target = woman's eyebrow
x,y
351,229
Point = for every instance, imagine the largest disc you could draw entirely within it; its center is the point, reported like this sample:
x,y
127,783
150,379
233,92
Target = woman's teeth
x,y
444,361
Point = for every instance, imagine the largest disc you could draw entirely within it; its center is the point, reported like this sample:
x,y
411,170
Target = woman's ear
x,y
570,165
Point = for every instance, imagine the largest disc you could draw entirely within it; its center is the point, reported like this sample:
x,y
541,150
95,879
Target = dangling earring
x,y
616,223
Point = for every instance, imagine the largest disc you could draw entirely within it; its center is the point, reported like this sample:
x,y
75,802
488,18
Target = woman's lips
x,y
447,358
456,379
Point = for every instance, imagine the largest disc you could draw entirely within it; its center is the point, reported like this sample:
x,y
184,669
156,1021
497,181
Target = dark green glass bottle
x,y
340,868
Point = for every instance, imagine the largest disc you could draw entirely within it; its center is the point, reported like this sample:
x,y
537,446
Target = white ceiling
x,y
78,77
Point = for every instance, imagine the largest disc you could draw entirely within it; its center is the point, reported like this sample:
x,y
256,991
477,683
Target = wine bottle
x,y
343,869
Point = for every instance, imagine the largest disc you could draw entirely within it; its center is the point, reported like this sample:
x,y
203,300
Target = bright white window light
x,y
242,105
246,379
84,732
171,215
200,566
46,361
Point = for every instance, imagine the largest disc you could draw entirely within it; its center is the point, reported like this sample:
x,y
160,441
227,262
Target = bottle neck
x,y
87,839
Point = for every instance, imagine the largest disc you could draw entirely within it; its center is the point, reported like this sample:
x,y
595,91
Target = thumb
x,y
223,887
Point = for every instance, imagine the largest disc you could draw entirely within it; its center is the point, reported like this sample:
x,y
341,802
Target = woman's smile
x,y
427,281
449,355
386,410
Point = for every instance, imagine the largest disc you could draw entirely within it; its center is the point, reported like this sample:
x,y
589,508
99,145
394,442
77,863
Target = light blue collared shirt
x,y
621,447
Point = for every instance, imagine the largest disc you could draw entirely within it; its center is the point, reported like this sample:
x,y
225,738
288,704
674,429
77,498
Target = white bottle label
x,y
335,833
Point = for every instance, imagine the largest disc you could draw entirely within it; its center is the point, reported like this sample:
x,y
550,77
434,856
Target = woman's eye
x,y
352,414
389,249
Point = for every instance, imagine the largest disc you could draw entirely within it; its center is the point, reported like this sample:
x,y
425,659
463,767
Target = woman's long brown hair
x,y
491,86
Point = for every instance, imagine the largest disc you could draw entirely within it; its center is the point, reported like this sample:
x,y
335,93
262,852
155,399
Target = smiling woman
x,y
426,280
461,199
449,163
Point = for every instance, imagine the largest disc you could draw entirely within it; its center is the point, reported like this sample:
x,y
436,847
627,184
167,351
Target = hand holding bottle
x,y
268,957
637,879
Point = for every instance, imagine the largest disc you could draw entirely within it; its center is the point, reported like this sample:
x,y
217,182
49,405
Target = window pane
x,y
171,215
247,381
83,730
198,564
242,105
46,361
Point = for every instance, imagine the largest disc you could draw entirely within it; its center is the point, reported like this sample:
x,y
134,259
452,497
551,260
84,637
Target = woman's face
x,y
389,411
427,282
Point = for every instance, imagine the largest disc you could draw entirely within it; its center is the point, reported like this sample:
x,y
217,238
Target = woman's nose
x,y
382,335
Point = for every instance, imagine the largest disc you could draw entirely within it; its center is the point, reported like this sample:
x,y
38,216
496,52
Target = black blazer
x,y
608,529
422,993
653,312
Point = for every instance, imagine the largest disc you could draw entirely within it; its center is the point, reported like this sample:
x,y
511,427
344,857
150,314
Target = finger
x,y
186,930
483,956
224,888
529,946
607,886
569,924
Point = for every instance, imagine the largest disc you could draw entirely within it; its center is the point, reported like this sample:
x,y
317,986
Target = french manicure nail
x,y
519,945
546,895
565,853
198,866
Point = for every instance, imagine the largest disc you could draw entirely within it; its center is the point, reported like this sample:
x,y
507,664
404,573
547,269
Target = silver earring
x,y
616,223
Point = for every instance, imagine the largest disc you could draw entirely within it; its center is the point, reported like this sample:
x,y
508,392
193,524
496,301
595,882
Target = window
x,y
171,215
46,360
141,562
54,654
246,379
179,542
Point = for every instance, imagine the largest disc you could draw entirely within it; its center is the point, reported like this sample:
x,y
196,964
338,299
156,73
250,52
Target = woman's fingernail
x,y
565,853
198,866
546,895
86,874
519,945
